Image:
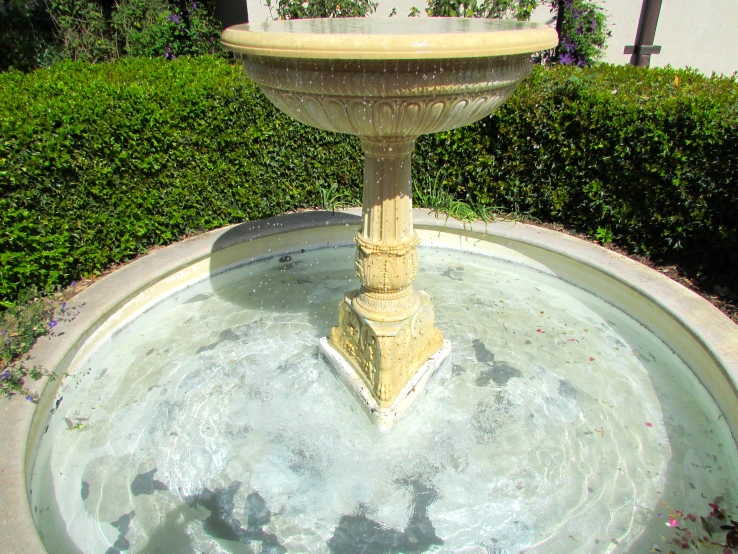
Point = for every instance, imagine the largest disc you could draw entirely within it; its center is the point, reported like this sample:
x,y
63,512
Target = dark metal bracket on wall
x,y
644,48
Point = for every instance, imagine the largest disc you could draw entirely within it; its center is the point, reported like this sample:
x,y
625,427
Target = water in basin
x,y
211,424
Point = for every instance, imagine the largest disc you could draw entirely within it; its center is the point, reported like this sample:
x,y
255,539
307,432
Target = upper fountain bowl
x,y
388,78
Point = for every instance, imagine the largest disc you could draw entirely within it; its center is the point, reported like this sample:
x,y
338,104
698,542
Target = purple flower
x,y
174,18
64,305
193,5
566,59
72,284
30,398
5,375
52,323
169,53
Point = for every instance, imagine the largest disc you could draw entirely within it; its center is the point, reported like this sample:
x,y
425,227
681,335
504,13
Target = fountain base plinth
x,y
384,418
383,350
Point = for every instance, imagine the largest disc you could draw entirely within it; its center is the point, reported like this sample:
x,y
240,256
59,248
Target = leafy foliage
x,y
159,28
20,325
513,9
297,9
583,33
98,163
331,198
650,156
13,381
82,29
582,24
37,33
26,35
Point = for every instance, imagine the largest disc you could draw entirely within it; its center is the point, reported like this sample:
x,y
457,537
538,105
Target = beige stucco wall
x,y
700,34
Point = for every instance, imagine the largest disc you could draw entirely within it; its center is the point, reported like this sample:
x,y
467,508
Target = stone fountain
x,y
387,81
586,398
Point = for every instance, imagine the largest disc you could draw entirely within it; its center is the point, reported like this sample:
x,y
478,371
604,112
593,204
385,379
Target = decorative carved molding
x,y
387,117
397,302
385,355
388,99
386,267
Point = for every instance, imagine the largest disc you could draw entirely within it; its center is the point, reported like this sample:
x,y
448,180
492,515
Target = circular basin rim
x,y
21,419
484,41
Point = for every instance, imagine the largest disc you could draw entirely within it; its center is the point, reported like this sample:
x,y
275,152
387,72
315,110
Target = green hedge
x,y
97,163
648,157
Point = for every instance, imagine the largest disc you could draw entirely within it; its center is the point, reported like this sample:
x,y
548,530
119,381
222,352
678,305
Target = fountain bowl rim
x,y
273,39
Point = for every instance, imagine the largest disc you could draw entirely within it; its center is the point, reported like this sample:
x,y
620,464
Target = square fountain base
x,y
384,418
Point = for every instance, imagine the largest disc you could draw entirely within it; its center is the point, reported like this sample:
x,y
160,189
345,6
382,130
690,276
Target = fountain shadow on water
x,y
291,282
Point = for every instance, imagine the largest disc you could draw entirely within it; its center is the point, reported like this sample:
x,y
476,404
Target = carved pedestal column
x,y
386,329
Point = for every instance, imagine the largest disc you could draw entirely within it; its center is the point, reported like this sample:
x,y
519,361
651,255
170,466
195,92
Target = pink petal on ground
x,y
649,424
591,359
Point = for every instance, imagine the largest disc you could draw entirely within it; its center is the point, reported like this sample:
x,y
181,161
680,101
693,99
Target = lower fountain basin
x,y
198,416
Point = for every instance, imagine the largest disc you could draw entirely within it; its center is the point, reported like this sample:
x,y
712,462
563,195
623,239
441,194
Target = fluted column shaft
x,y
386,257
388,193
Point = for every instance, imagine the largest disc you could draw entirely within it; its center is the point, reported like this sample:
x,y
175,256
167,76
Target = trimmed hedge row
x,y
97,163
645,157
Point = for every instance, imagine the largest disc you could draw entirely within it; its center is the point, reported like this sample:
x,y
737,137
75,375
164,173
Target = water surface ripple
x,y
211,424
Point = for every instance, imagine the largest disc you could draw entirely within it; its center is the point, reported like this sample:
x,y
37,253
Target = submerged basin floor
x,y
211,424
